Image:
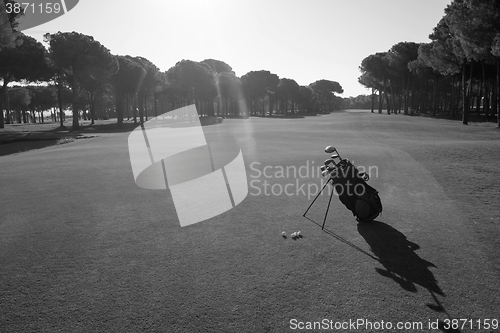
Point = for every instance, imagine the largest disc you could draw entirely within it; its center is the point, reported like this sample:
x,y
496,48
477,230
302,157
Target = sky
x,y
304,40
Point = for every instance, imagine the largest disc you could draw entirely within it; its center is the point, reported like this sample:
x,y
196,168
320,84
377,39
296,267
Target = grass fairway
x,y
83,248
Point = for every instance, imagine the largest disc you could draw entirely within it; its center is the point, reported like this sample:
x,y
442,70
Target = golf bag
x,y
350,185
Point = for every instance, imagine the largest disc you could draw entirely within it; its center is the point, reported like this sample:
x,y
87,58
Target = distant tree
x,y
126,82
423,75
305,99
431,73
377,66
472,36
58,78
369,81
78,55
147,86
218,66
95,78
287,95
358,102
23,62
257,86
227,85
229,88
42,98
19,100
464,43
193,82
400,55
495,50
324,94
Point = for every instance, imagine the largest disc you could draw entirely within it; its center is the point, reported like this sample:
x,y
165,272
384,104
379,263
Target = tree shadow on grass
x,y
23,146
130,125
281,116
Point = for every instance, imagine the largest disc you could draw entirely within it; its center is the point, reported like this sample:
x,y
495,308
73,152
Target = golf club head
x,y
323,167
335,155
329,161
364,176
330,149
324,173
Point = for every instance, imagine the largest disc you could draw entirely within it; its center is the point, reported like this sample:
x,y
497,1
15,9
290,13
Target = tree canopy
x,y
79,56
451,73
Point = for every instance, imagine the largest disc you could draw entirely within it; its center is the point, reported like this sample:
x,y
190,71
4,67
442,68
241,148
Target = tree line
x,y
77,72
456,73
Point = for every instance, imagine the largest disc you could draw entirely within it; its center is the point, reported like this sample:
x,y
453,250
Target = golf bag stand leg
x,y
327,209
331,194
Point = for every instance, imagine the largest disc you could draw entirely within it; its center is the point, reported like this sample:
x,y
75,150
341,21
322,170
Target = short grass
x,y
83,249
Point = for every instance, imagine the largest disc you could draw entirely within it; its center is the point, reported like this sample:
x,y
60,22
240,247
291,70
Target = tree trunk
x,y
421,97
119,103
486,100
403,97
373,99
2,120
156,105
387,97
76,123
59,102
434,96
141,108
127,104
465,99
5,93
485,91
393,98
412,100
452,98
498,92
7,105
380,101
494,99
133,100
92,108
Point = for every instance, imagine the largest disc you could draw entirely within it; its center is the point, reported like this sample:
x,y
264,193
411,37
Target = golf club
x,y
330,149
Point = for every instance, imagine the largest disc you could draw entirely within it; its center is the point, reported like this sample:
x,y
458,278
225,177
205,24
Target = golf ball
x,y
298,233
283,233
294,234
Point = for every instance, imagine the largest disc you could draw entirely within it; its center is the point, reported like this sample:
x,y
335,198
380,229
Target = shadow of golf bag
x,y
350,185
